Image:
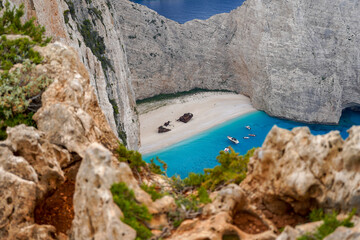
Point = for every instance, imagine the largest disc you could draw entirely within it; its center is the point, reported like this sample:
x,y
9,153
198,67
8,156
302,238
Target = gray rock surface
x,y
109,73
296,171
29,170
70,115
96,214
295,59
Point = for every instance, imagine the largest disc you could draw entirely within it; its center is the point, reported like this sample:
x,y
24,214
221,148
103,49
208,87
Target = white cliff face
x,y
295,59
101,49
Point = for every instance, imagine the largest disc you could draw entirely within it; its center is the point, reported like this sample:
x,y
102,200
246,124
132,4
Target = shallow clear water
x,y
186,10
200,151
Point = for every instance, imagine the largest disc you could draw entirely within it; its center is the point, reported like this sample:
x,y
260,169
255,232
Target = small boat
x,y
248,127
234,140
246,137
252,135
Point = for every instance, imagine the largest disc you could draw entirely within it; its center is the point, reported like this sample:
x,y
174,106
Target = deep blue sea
x,y
200,151
185,10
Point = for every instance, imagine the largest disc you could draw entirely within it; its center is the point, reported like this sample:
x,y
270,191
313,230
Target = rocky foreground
x,y
73,150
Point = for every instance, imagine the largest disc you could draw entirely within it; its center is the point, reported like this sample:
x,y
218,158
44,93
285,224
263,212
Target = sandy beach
x,y
209,109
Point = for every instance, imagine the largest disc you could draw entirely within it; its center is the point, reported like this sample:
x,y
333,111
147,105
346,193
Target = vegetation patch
x,y
176,95
232,169
71,9
135,214
330,224
97,13
20,96
156,168
151,190
115,107
121,134
66,16
133,158
17,51
20,88
96,43
11,24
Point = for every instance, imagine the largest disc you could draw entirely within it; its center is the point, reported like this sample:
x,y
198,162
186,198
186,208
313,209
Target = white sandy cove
x,y
209,109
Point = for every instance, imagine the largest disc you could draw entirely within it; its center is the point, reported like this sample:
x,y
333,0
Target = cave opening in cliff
x,y
57,208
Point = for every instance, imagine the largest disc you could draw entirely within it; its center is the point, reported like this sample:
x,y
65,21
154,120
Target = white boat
x,y
234,140
248,127
246,137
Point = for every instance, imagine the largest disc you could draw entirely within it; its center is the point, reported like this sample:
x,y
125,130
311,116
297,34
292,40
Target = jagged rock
x,y
162,129
28,143
216,227
342,233
96,214
70,115
37,232
218,217
18,202
226,200
109,73
93,204
295,171
29,170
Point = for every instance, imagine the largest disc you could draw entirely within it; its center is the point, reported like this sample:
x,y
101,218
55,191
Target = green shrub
x,y
10,23
330,224
194,179
17,119
17,51
188,203
203,196
156,168
317,215
133,158
20,89
232,169
96,43
135,214
177,184
66,16
152,191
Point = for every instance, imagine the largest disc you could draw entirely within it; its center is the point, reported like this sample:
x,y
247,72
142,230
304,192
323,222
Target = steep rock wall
x,y
295,59
89,27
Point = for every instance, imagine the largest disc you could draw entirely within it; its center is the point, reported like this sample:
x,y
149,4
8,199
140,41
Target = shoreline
x,y
209,109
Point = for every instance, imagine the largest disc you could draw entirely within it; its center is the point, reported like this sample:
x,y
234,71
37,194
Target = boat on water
x,y
252,135
246,137
248,127
234,140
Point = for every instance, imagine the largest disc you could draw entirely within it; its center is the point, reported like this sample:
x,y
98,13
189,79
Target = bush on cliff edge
x,y
20,88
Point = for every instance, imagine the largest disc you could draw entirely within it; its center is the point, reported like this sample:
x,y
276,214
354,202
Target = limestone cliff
x,y
90,28
295,59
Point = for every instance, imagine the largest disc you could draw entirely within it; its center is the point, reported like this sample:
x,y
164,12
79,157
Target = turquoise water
x,y
200,151
186,10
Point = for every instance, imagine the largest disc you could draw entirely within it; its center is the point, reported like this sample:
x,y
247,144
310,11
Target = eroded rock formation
x,y
33,163
90,28
296,171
